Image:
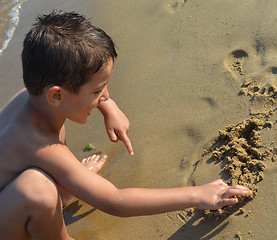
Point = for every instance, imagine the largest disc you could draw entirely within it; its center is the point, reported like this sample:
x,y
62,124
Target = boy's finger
x,y
236,192
128,144
101,163
112,136
227,201
103,158
95,158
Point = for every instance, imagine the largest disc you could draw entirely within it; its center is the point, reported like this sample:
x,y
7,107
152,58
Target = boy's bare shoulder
x,y
14,101
60,163
21,142
17,128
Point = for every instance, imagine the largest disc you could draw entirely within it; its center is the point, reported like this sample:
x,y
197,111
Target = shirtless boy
x,y
67,64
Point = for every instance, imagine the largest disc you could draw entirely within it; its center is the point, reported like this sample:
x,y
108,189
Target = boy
x,y
67,64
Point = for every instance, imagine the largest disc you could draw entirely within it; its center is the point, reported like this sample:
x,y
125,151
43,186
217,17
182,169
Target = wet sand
x,y
186,70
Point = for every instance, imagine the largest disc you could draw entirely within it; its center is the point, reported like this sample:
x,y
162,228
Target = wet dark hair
x,y
63,49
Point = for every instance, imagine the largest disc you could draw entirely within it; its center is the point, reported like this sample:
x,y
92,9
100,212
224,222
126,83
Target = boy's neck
x,y
44,116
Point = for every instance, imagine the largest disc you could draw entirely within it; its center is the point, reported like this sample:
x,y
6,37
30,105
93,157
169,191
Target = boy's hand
x,y
218,194
117,124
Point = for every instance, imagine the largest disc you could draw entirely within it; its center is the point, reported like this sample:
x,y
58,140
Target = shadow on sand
x,y
203,225
70,211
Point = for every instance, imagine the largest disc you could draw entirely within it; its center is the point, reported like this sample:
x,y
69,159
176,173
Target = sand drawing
x,y
240,153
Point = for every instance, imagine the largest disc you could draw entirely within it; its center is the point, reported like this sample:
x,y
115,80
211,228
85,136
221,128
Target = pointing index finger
x,y
128,144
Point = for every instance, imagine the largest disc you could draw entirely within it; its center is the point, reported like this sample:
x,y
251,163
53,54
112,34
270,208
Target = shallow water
x,y
9,18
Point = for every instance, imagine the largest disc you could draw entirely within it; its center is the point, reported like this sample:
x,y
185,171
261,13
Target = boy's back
x,y
19,139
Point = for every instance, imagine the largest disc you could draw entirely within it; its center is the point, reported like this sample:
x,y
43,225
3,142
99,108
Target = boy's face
x,y
78,106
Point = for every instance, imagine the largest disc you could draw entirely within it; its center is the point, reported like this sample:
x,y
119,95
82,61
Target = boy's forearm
x,y
138,202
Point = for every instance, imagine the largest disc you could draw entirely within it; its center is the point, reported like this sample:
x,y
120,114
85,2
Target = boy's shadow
x,y
205,226
70,211
200,228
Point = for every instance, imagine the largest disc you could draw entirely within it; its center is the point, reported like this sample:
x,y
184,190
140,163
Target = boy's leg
x,y
31,208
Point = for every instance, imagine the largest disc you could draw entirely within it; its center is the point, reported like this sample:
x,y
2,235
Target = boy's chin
x,y
83,122
80,121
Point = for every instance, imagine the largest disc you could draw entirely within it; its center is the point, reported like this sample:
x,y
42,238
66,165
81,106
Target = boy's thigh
x,y
19,199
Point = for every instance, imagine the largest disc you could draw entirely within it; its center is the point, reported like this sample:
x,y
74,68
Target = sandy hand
x,y
218,194
94,162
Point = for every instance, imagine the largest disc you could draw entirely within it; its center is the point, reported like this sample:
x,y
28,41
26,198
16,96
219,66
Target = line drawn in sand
x,y
173,6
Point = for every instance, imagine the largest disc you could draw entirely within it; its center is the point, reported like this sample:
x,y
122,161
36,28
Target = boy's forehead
x,y
110,65
102,77
108,68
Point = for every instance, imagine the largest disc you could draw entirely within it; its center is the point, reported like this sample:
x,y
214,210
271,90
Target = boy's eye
x,y
98,92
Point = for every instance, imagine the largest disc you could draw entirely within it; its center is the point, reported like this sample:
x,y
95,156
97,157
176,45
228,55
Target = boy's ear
x,y
54,96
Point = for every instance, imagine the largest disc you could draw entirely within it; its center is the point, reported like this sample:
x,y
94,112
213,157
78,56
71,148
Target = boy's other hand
x,y
116,135
116,123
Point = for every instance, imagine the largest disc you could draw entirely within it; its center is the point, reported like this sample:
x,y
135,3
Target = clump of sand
x,y
239,147
251,88
242,154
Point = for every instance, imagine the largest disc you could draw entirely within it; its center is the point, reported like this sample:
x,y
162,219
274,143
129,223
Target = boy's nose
x,y
105,94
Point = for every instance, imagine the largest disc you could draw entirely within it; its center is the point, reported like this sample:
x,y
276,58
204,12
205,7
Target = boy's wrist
x,y
106,106
195,196
191,196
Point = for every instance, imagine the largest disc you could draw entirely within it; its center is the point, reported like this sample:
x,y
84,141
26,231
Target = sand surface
x,y
198,82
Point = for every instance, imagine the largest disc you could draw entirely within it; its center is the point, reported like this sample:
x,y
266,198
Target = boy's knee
x,y
37,189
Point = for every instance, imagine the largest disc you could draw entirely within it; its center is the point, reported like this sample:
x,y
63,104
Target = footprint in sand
x,y
236,62
256,71
173,6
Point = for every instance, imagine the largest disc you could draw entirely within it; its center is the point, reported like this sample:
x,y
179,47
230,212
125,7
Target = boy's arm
x,y
117,124
93,189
